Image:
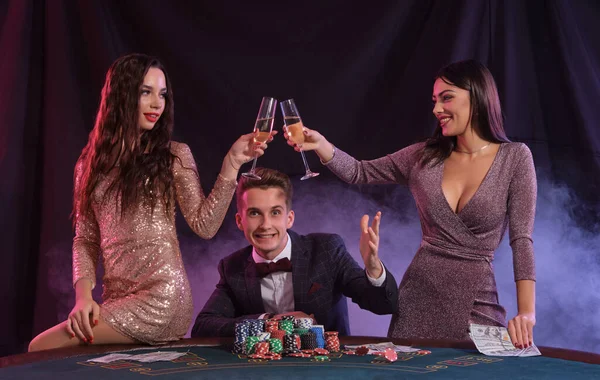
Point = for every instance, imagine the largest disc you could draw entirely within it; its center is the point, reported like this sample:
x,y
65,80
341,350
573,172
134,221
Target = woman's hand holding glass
x,y
295,131
243,150
313,140
246,148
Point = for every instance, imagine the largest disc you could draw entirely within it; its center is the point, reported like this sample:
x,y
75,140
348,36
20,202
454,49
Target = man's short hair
x,y
269,178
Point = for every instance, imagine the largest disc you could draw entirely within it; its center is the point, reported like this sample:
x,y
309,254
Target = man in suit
x,y
283,273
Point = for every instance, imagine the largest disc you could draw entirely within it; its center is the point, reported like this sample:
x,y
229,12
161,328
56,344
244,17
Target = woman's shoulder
x,y
179,148
517,150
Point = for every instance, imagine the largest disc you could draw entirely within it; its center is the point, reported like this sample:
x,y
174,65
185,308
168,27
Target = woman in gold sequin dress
x,y
127,180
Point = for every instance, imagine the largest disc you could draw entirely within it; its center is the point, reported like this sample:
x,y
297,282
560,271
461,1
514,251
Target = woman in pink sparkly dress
x,y
127,181
469,183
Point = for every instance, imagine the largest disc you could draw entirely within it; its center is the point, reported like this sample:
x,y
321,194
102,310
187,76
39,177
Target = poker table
x,y
212,358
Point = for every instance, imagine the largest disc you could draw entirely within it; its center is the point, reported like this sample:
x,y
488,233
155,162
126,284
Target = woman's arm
x,y
86,250
391,168
521,212
520,328
205,214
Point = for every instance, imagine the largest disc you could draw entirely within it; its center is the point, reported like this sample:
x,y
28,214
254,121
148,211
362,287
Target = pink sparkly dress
x,y
450,281
146,294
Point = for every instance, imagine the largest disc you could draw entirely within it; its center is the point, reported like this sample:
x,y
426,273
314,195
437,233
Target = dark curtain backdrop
x,y
361,73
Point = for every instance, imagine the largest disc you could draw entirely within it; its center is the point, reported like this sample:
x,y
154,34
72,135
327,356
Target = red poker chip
x,y
423,352
299,355
272,356
350,352
321,351
362,350
257,356
310,352
390,355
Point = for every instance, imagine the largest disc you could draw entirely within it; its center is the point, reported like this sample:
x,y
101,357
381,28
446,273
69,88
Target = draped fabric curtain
x,y
360,73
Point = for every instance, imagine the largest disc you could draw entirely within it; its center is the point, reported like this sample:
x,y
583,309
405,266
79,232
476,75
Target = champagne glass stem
x,y
304,160
254,164
308,174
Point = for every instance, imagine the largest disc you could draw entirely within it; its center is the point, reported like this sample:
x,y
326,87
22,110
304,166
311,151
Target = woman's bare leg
x,y
57,336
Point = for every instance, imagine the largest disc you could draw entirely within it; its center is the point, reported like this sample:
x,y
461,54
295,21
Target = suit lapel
x,y
253,285
300,269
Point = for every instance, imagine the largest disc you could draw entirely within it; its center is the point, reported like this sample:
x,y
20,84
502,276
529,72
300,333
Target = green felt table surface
x,y
213,359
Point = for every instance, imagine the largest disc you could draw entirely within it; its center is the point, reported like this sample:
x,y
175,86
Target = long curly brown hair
x,y
142,159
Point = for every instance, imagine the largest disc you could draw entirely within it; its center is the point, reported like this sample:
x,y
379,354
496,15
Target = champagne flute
x,y
263,128
295,131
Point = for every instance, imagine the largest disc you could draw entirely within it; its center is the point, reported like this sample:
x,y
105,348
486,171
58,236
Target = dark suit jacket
x,y
323,275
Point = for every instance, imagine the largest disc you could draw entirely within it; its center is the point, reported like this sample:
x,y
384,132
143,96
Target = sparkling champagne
x,y
264,127
295,129
262,136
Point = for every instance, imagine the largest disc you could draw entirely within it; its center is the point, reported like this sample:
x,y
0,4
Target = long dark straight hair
x,y
143,159
486,113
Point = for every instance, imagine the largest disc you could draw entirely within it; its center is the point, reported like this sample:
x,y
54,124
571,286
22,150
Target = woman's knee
x,y
52,338
36,344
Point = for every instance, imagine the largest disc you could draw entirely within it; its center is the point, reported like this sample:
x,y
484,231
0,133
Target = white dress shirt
x,y
277,289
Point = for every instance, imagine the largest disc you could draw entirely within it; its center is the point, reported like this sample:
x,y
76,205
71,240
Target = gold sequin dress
x,y
146,293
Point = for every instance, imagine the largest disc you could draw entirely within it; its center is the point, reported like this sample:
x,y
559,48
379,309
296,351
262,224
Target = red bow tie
x,y
283,265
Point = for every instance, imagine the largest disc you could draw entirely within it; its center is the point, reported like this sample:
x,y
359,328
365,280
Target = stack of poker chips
x,y
300,331
275,345
319,331
332,341
309,341
261,348
268,339
251,342
287,326
271,325
261,351
256,327
303,323
242,331
278,334
290,343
